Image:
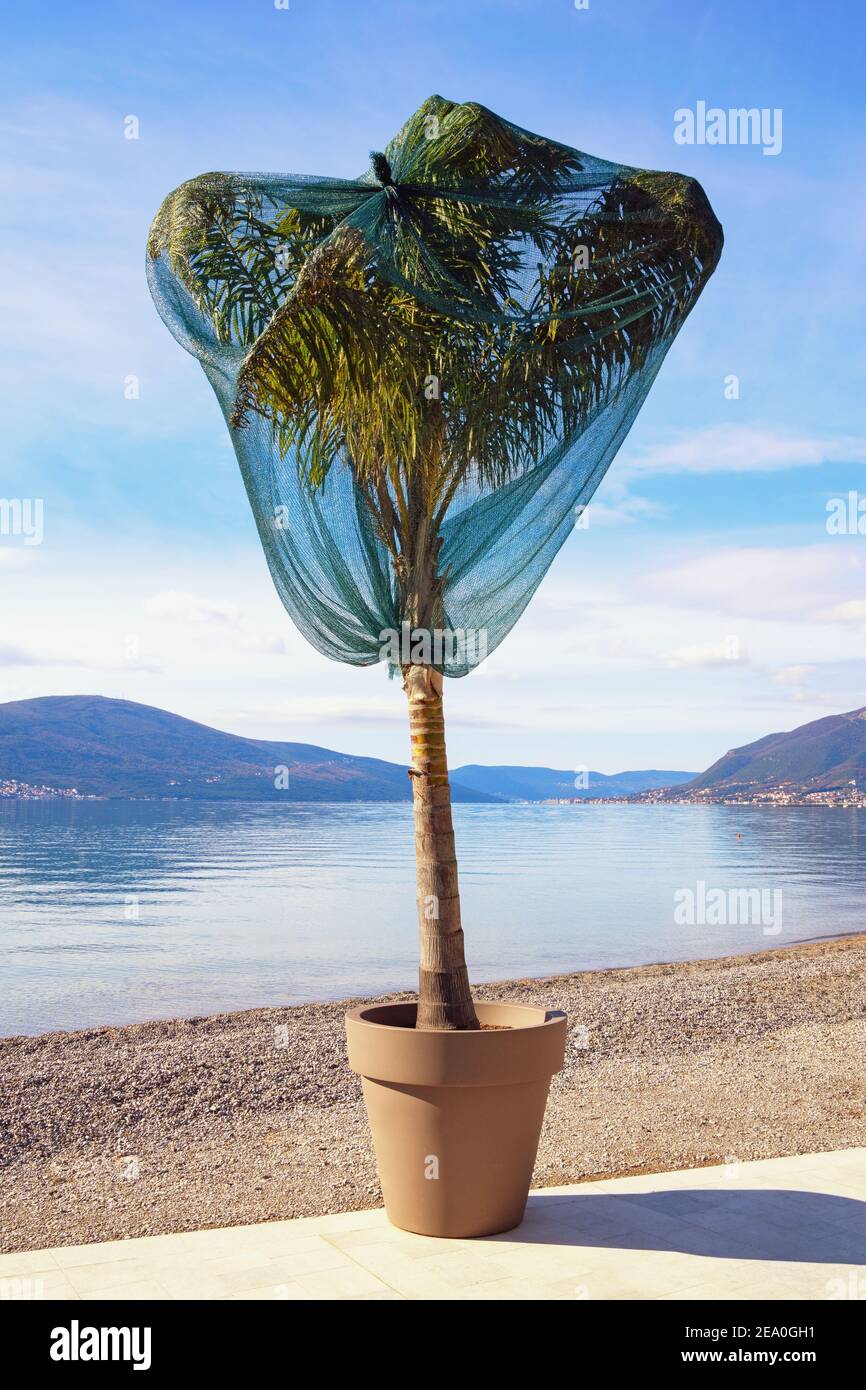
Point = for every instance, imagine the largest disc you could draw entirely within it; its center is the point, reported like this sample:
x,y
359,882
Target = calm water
x,y
116,911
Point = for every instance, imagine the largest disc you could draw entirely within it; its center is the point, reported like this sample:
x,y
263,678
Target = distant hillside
x,y
116,748
547,783
826,754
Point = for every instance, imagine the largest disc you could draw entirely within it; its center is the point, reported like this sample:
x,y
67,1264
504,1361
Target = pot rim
x,y
550,1019
532,1049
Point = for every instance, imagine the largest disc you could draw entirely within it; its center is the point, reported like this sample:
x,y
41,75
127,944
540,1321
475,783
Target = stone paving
x,y
774,1229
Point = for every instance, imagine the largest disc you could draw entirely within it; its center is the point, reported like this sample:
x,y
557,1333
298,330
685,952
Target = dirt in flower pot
x,y
484,1027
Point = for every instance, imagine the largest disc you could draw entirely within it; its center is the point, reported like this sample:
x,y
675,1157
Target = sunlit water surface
x,y
112,912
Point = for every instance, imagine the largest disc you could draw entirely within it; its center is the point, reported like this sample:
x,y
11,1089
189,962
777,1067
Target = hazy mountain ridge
x,y
823,755
118,748
547,783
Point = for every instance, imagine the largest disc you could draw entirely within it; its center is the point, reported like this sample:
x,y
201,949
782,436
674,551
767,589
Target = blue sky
x,y
704,605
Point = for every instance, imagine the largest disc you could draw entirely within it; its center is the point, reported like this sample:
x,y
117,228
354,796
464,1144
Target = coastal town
x,y
849,797
786,794
26,791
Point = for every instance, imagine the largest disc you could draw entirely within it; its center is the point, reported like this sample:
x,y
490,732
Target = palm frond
x,y
461,269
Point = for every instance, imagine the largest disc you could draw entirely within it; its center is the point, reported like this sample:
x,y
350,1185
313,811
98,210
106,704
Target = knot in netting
x,y
381,168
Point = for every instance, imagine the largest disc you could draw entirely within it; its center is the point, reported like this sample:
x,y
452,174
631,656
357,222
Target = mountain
x,y
546,783
116,748
826,754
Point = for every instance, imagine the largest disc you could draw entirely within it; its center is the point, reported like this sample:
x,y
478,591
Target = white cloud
x,y
330,709
266,643
742,449
625,511
852,611
24,656
18,656
762,581
174,606
220,615
727,652
792,675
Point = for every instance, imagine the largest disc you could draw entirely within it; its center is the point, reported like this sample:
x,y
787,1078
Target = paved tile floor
x,y
780,1228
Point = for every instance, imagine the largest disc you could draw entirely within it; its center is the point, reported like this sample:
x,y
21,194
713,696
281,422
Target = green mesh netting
x,y
520,292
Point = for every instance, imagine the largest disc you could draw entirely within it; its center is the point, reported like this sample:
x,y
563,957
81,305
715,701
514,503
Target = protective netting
x,y
427,372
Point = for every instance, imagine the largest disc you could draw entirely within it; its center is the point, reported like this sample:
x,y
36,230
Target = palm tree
x,y
455,320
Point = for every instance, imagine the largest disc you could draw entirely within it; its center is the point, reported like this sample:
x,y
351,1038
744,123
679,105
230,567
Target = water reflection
x,y
116,911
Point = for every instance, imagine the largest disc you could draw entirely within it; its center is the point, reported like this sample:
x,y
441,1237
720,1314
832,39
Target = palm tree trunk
x,y
444,999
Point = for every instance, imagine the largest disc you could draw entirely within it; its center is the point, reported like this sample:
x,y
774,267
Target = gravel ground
x,y
254,1116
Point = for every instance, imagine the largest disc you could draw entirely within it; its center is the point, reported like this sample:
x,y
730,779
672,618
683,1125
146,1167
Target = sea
x,y
113,912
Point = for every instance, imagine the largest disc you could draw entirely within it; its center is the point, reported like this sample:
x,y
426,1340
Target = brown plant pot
x,y
456,1116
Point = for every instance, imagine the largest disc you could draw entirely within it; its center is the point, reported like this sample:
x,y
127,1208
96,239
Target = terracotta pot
x,y
456,1116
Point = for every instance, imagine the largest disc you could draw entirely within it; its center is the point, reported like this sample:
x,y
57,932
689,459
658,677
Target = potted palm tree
x,y
426,373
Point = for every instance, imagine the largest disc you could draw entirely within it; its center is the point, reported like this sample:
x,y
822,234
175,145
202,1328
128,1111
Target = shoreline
x,y
253,1115
351,1001
764,802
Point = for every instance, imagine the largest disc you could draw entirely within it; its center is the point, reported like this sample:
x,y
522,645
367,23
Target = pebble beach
x,y
253,1116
